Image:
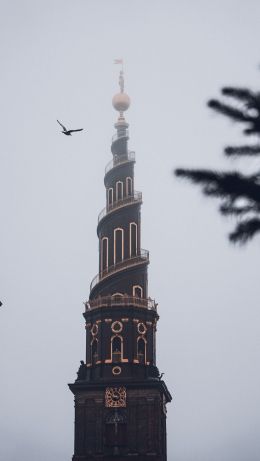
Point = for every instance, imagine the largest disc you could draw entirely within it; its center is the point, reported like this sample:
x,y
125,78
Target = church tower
x,y
120,398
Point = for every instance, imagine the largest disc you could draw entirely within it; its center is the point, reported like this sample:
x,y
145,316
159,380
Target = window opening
x,y
129,186
133,239
141,350
117,349
119,190
118,245
104,254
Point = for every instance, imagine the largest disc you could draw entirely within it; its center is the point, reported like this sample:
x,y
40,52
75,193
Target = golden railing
x,y
130,157
124,300
136,197
125,263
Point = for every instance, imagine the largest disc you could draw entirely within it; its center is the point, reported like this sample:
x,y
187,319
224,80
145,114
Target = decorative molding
x,y
116,370
141,328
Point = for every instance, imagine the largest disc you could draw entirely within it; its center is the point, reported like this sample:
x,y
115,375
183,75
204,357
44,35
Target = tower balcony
x,y
124,301
141,258
129,200
119,160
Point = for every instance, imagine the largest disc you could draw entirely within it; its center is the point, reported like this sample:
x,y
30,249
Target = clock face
x,y
115,397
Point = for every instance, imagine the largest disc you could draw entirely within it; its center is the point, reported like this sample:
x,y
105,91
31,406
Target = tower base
x,y
106,430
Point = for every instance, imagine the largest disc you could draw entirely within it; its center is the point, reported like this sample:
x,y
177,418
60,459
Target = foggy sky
x,y
57,62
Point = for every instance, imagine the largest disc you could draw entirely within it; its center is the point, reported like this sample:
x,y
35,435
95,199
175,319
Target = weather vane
x,y
121,75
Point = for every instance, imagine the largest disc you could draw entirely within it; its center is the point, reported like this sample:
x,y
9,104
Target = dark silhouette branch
x,y
245,231
239,194
242,150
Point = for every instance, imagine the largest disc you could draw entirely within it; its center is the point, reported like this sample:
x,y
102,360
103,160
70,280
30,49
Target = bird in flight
x,y
68,132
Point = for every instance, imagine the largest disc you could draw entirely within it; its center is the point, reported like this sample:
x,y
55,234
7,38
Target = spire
x,y
121,101
121,80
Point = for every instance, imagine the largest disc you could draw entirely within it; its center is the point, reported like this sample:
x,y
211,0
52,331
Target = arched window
x,y
137,291
104,254
141,350
119,190
133,239
117,349
94,351
118,245
129,186
117,298
110,197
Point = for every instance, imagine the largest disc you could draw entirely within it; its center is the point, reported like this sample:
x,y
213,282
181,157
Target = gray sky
x,y
57,62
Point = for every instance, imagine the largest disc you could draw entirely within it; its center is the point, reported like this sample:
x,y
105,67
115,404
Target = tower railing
x,y
124,300
142,257
129,157
119,135
136,197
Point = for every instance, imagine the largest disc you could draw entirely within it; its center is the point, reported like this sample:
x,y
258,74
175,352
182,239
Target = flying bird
x,y
68,132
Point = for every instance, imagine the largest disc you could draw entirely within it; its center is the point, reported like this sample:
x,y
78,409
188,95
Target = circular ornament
x,y
94,329
141,328
116,371
117,327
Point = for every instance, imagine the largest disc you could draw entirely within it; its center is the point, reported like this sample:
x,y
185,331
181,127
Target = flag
x,y
118,61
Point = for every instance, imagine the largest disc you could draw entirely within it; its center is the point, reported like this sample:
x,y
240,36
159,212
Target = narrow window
x,y
133,239
117,298
137,291
141,350
104,254
119,191
94,351
118,245
117,349
116,430
110,197
129,186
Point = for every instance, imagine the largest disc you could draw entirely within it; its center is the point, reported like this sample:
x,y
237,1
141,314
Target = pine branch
x,y
255,128
219,184
228,209
245,231
235,114
232,186
242,150
244,94
250,99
